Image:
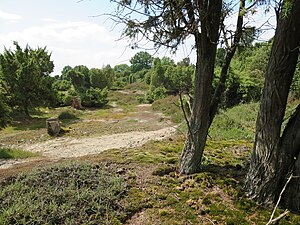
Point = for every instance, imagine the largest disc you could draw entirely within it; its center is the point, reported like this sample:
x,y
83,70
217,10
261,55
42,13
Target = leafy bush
x,y
95,97
157,93
65,98
62,85
74,193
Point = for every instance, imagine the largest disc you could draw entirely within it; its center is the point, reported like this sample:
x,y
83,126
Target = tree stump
x,y
76,103
53,126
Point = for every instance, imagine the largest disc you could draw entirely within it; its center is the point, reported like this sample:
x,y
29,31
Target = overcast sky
x,y
70,29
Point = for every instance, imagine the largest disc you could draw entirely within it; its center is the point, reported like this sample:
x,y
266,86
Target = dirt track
x,y
72,147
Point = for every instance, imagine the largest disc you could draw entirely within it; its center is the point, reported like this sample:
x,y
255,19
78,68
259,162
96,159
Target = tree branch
x,y
185,117
229,55
271,221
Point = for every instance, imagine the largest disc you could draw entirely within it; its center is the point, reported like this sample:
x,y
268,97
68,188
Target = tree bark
x,y
206,45
291,145
271,159
204,106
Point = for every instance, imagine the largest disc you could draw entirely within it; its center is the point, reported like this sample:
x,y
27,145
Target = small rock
x,y
120,171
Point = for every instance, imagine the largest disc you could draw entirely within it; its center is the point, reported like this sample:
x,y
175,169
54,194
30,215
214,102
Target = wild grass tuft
x,y
10,153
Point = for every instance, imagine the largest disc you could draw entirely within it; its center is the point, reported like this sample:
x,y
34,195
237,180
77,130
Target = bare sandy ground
x,y
70,147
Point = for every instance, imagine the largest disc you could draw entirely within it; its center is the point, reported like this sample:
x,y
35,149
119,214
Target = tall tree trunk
x,y
206,44
204,106
271,160
199,121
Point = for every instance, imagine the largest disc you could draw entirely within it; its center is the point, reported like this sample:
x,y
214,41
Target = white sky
x,y
70,31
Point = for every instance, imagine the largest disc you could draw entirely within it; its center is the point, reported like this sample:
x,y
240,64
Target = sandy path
x,y
71,147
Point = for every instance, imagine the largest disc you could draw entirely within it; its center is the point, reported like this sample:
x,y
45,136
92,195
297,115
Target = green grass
x,y
8,153
236,123
91,194
73,193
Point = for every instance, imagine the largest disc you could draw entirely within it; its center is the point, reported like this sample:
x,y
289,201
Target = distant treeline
x,y
25,81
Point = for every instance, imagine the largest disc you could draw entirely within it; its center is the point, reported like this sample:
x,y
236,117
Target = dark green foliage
x,y
25,73
78,79
62,85
85,72
167,61
122,73
101,78
63,194
155,94
140,61
97,78
95,97
64,72
4,113
90,85
178,79
157,74
245,76
167,78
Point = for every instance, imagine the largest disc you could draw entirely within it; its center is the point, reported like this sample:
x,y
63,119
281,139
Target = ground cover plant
x,y
72,193
159,195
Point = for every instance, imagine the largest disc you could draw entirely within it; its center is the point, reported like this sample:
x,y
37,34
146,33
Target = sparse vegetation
x,y
138,185
10,153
